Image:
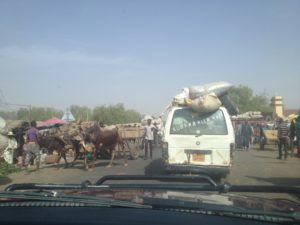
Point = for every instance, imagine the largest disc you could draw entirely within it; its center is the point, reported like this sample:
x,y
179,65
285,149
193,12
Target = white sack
x,y
204,104
218,88
179,99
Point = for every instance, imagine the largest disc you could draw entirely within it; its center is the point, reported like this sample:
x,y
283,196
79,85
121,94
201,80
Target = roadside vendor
x,y
9,152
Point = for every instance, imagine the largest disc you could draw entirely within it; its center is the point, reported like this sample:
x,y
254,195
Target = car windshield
x,y
186,121
162,89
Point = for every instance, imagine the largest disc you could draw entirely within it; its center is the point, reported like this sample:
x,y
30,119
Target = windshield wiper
x,y
221,210
53,196
100,183
197,178
187,183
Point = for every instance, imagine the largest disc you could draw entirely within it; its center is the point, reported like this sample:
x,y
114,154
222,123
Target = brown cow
x,y
59,144
105,138
52,143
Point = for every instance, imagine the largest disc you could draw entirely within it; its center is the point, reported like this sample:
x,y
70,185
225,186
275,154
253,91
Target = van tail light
x,y
165,152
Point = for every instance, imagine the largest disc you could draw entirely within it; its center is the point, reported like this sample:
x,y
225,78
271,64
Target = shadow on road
x,y
80,164
267,150
156,167
262,156
5,180
286,181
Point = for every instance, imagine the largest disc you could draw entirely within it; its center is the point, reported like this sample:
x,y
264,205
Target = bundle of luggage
x,y
207,98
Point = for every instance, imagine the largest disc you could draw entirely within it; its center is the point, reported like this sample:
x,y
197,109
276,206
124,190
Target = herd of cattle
x,y
88,140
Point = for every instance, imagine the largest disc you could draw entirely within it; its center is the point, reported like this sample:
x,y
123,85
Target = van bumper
x,y
219,171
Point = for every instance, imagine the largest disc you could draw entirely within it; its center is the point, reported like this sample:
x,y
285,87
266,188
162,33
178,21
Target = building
x,y
280,111
68,116
277,103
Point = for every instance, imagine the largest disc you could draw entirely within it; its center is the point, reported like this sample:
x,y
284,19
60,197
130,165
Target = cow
x,y
73,143
105,138
63,138
61,145
52,143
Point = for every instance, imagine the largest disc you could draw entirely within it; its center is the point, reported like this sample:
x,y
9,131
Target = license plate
x,y
198,157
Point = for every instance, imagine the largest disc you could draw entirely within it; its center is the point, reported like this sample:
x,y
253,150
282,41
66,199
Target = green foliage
x,y
38,113
108,114
6,169
82,113
132,116
8,115
23,114
243,97
114,114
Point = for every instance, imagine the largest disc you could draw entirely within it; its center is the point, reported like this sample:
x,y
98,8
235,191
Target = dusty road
x,y
250,167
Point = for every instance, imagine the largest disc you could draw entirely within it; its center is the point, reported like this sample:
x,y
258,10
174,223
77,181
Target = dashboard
x,y
98,215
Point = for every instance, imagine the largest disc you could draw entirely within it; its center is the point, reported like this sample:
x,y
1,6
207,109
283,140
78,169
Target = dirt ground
x,y
253,167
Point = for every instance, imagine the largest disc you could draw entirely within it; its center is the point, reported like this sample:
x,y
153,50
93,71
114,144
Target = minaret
x,y
277,104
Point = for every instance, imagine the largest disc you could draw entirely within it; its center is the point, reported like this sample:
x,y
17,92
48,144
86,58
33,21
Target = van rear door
x,y
199,139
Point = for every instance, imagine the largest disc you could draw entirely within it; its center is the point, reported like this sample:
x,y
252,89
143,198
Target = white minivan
x,y
198,143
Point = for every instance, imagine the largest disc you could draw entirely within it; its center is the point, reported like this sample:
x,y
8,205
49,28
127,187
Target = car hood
x,y
263,203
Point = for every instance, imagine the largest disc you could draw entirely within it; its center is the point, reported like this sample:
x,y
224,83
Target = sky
x,y
141,53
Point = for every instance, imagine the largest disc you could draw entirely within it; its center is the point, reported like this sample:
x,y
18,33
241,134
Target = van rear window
x,y
187,122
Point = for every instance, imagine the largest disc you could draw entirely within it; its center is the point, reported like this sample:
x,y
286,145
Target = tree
x,y
23,114
38,113
8,115
115,114
133,116
243,97
108,114
81,112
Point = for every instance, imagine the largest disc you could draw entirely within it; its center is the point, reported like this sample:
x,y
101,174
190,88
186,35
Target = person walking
x,y
33,148
297,133
238,137
292,136
283,136
148,138
246,134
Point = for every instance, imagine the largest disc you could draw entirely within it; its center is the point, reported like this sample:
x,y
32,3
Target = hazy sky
x,y
141,53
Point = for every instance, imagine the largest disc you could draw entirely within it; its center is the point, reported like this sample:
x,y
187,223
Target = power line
x,y
3,102
2,97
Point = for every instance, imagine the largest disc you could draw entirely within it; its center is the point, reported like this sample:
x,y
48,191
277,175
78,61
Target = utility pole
x,y
30,113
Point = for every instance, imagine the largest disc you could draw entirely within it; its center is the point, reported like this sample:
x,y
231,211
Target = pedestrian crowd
x,y
246,134
288,135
